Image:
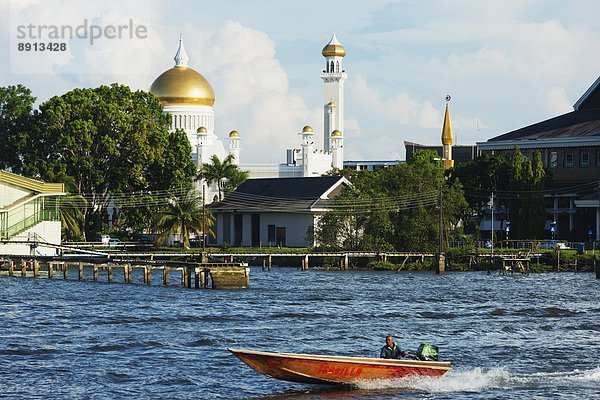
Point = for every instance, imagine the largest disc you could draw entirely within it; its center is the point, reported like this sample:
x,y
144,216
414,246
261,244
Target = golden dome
x,y
181,85
307,128
201,130
336,133
334,48
331,104
234,133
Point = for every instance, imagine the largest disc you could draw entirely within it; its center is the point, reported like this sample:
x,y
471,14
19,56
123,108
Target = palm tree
x,y
72,209
182,215
220,172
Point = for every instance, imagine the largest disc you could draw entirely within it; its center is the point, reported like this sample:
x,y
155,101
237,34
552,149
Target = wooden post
x,y
197,278
247,272
441,264
95,269
188,278
36,269
270,262
346,262
166,276
264,268
597,268
203,278
11,268
50,271
306,262
148,274
80,271
109,273
23,268
65,269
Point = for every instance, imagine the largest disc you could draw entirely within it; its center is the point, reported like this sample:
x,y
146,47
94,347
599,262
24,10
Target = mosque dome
x,y
202,130
336,133
182,85
234,133
334,48
307,128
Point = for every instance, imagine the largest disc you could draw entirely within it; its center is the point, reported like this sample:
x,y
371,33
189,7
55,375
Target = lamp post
x,y
553,229
507,230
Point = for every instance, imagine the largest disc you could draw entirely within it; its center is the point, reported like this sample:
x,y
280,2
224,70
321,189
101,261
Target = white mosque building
x,y
189,98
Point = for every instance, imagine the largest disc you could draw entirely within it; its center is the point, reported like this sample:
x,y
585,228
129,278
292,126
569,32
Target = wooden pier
x,y
341,259
197,275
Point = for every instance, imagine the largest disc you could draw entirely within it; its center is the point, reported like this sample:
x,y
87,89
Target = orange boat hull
x,y
307,368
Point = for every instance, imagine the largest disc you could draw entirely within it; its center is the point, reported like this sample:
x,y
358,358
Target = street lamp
x,y
507,230
553,229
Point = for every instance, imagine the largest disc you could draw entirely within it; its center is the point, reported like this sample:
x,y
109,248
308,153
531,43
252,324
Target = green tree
x,y
182,215
16,119
225,174
393,208
112,142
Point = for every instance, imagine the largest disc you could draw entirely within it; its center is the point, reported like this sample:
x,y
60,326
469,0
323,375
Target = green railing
x,y
28,215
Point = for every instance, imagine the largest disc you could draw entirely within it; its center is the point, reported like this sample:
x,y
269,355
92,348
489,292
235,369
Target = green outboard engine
x,y
427,352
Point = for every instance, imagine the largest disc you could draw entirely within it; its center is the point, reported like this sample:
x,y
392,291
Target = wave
x,y
479,379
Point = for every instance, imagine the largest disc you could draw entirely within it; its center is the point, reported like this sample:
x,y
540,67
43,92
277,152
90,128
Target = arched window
x,y
326,66
337,66
331,69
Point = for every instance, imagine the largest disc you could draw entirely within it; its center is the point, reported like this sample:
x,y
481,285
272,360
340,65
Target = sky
x,y
506,64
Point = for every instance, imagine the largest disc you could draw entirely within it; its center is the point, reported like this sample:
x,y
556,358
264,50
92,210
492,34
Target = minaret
x,y
330,113
337,153
307,149
234,146
333,77
447,138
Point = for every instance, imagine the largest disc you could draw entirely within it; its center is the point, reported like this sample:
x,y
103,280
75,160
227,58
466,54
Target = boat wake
x,y
480,379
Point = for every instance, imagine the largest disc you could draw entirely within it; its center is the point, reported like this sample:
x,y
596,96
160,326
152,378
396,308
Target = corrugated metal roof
x,y
578,123
277,194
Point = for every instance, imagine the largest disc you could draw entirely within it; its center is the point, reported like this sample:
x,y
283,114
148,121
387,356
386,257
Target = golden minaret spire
x,y
447,137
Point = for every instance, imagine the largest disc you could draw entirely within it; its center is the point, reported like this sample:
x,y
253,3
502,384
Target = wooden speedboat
x,y
321,369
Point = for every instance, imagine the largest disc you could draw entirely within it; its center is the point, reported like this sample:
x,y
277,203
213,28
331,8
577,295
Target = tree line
x,y
112,146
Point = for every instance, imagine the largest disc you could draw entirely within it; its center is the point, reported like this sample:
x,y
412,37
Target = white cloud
x,y
556,100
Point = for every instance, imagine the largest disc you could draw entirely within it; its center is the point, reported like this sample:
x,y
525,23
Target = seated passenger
x,y
391,350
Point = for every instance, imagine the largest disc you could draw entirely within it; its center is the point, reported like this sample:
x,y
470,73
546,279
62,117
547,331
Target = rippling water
x,y
508,337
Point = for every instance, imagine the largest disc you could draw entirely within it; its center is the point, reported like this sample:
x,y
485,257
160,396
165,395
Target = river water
x,y
508,337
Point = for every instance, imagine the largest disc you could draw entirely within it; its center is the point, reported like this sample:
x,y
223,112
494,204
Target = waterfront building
x,y
272,212
189,98
29,215
570,149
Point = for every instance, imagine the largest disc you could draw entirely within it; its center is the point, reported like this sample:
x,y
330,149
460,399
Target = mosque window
x,y
331,69
337,66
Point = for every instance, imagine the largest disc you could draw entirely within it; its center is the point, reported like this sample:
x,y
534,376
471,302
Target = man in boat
x,y
391,350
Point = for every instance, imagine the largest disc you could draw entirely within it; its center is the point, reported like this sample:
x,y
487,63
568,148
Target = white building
x,y
189,98
29,216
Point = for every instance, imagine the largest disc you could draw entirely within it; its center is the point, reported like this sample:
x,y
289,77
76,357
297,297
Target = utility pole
x,y
204,257
492,240
441,266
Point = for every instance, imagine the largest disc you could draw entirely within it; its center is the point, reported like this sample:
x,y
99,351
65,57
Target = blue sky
x,y
506,64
